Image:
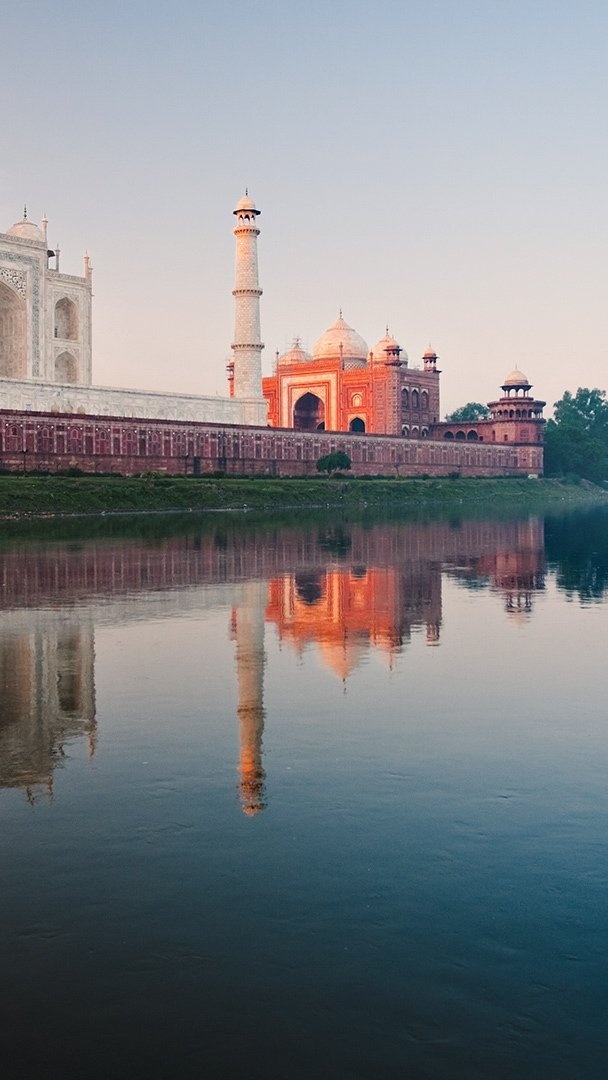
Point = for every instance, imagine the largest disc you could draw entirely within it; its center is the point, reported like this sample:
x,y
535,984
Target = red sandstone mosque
x,y
343,387
367,402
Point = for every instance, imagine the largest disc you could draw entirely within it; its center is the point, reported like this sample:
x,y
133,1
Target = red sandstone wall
x,y
51,443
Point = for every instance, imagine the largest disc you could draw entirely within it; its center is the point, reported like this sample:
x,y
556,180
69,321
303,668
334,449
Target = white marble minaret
x,y
247,345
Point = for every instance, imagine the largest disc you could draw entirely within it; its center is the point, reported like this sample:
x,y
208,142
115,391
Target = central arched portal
x,y
309,413
13,351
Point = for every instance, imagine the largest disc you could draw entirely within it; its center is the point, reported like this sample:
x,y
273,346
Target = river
x,y
319,798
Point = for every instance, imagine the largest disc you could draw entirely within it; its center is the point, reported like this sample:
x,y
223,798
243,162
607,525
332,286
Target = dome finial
x,y
340,315
24,212
246,191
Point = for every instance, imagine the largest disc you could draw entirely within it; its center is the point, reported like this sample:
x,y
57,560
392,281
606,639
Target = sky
x,y
437,166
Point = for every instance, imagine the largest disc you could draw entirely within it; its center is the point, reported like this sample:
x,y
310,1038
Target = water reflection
x,y
400,845
578,547
346,591
247,627
48,696
516,573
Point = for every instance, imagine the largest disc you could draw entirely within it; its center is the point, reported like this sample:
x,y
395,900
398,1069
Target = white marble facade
x,y
45,316
45,345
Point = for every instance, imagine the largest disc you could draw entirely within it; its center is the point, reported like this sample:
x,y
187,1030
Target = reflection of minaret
x,y
248,622
247,345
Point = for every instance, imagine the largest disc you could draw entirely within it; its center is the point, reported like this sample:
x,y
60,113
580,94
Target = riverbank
x,y
58,496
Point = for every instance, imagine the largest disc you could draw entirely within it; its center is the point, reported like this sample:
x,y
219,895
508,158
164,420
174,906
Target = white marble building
x,y
46,333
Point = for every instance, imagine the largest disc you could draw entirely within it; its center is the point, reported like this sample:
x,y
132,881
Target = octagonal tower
x,y
247,345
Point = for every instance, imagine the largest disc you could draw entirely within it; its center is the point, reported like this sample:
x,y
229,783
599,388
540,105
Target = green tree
x,y
336,462
473,410
576,439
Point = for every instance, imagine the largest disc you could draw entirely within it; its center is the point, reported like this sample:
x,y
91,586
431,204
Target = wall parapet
x,y
53,442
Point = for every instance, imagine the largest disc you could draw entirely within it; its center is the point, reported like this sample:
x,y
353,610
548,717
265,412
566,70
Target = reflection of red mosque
x,y
347,611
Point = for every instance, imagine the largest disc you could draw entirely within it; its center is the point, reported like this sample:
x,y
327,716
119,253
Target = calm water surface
x,y
327,800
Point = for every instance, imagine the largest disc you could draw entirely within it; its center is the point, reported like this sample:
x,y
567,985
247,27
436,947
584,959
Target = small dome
x,y
429,354
516,378
295,355
340,341
246,203
385,345
25,230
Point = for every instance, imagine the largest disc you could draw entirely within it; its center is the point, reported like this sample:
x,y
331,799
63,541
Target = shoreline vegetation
x,y
31,497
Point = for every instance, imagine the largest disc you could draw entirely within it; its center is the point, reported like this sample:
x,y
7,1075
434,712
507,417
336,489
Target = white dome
x,y
295,355
379,351
516,378
340,341
25,230
246,203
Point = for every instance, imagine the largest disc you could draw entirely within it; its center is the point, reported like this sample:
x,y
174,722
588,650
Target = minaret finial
x,y
387,329
340,313
246,191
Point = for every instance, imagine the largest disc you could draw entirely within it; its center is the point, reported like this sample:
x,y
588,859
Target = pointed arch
x,y
66,368
66,320
309,413
13,334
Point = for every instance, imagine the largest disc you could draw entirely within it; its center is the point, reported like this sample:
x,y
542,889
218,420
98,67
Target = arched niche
x,y
309,413
13,337
310,586
357,424
66,320
66,368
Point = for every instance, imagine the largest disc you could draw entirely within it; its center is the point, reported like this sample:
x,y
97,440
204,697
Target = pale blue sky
x,y
440,166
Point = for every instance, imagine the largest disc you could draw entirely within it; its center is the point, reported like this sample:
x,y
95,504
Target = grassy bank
x,y
31,496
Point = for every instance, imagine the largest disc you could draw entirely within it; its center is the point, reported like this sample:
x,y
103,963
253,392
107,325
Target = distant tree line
x,y
576,439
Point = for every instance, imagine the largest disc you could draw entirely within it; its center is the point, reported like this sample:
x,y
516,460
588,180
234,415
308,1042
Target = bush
x,y
336,462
